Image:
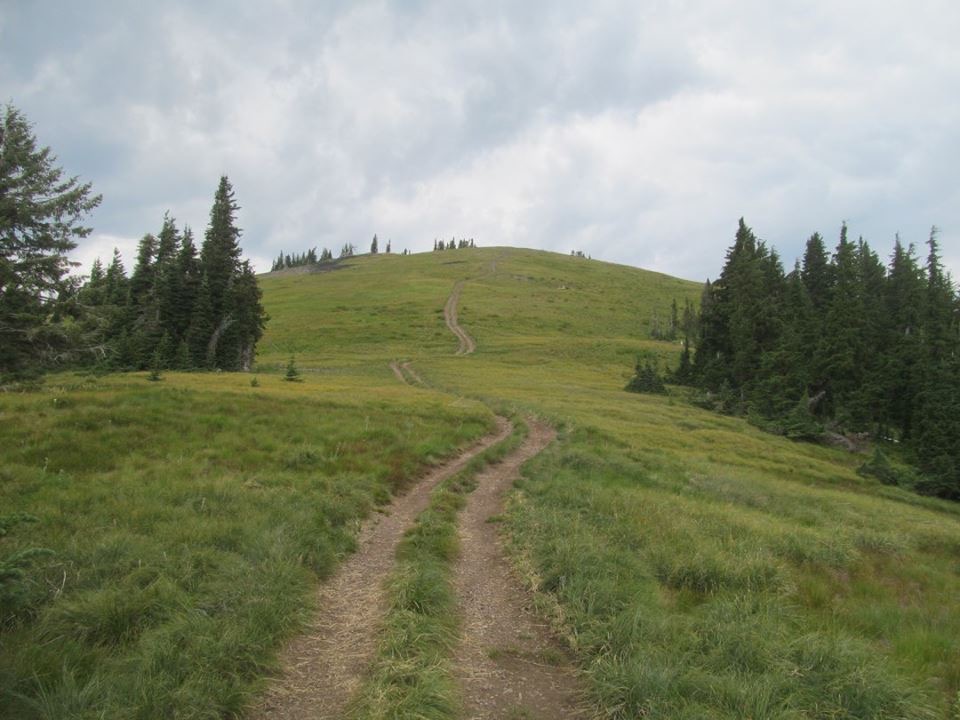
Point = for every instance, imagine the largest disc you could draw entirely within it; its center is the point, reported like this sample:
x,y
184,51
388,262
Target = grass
x,y
190,519
412,675
699,567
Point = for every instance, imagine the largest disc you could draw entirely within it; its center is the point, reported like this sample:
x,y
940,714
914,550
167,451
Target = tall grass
x,y
700,567
189,520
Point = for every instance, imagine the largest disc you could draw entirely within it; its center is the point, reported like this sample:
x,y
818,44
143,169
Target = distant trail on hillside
x,y
466,343
508,663
323,668
405,373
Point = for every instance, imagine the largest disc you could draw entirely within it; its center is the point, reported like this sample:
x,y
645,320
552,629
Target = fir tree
x,y
220,254
373,246
292,374
41,216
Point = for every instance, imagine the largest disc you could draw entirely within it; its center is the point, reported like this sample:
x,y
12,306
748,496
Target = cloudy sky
x,y
636,131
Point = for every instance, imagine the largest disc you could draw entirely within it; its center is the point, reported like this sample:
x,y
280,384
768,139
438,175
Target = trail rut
x,y
466,343
323,667
508,663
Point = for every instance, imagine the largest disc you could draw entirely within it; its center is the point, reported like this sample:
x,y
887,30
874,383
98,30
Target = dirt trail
x,y
398,371
324,667
508,663
466,343
405,373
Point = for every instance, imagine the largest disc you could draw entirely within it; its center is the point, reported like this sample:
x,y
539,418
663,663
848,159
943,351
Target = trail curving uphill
x,y
466,343
323,667
508,662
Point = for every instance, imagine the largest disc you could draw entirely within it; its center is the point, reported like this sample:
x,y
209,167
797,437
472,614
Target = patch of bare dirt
x,y
323,668
398,371
508,662
466,344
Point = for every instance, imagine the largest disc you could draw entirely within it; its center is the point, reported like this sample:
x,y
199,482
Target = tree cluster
x,y
453,244
179,308
842,341
672,327
646,378
310,257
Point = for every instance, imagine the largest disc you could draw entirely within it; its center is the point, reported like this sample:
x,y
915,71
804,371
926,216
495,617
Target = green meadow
x,y
189,520
697,567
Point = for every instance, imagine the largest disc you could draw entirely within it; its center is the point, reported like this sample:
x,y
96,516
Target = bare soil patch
x,y
323,667
508,662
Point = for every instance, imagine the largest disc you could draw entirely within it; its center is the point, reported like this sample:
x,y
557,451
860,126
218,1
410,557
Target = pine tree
x,y
249,319
292,374
900,367
188,280
169,280
841,350
220,254
373,246
41,215
201,328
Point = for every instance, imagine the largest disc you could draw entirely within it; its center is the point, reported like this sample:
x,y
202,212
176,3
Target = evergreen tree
x,y
41,216
899,378
185,288
646,379
202,324
248,319
143,278
841,350
220,254
373,246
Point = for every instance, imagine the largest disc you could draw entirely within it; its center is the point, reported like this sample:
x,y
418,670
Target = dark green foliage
x,y
41,215
879,467
179,310
646,379
841,342
292,374
800,423
309,257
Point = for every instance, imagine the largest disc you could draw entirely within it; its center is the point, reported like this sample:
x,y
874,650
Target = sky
x,y
638,132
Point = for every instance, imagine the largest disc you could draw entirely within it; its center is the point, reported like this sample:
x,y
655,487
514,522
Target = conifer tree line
x,y
453,244
180,307
842,342
310,257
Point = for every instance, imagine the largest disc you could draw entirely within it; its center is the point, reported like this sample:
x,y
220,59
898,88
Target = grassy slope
x,y
189,519
700,567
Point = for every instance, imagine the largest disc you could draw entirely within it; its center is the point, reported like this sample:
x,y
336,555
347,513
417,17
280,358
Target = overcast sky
x,y
636,131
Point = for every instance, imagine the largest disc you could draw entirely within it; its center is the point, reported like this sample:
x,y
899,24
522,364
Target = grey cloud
x,y
638,132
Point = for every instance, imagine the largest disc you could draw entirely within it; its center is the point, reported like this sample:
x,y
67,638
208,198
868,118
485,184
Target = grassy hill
x,y
697,567
700,568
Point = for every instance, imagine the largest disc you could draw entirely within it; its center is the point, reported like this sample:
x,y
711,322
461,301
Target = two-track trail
x,y
508,663
323,667
405,373
466,343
